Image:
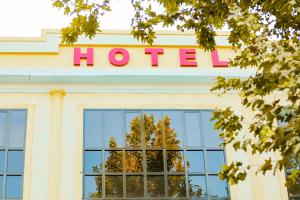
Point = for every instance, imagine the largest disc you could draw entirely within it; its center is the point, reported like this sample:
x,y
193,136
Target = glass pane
x,y
15,162
155,161
195,161
92,129
216,187
211,136
176,186
3,120
114,186
192,126
2,157
92,161
135,186
175,161
114,161
173,129
14,187
215,160
17,128
133,129
133,161
92,187
197,186
156,186
113,129
152,129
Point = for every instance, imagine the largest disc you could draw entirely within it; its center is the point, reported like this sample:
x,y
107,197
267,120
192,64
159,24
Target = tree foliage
x,y
266,36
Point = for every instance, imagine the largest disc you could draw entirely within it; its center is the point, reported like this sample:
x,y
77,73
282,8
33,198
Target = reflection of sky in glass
x,y
197,186
195,161
3,120
17,131
92,159
211,136
2,157
113,127
175,123
192,125
14,187
216,187
15,162
92,128
89,185
215,160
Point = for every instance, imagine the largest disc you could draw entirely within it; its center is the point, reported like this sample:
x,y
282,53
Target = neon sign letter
x,y
154,55
187,57
112,57
89,56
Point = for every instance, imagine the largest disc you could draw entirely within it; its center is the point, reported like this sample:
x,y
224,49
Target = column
x,y
57,98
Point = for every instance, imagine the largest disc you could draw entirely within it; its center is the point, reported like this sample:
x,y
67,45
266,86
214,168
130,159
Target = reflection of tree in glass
x,y
145,133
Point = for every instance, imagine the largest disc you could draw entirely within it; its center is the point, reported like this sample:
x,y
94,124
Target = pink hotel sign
x,y
187,57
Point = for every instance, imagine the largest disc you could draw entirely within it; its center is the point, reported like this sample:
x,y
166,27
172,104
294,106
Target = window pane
x,y
14,187
176,186
17,128
92,129
133,161
211,136
113,161
216,187
133,129
92,161
192,125
135,186
175,161
215,160
92,187
156,186
113,129
1,186
153,136
15,162
114,186
3,120
155,162
197,186
2,157
173,129
195,161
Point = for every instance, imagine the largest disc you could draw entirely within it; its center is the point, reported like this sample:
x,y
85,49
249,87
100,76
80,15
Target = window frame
x,y
8,149
184,148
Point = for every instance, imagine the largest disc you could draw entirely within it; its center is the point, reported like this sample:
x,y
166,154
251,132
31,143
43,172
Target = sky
x,y
26,18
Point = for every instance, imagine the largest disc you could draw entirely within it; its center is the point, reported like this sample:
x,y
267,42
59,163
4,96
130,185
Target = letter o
x,y
112,56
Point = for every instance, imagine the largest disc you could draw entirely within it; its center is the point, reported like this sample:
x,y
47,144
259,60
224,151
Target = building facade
x,y
111,118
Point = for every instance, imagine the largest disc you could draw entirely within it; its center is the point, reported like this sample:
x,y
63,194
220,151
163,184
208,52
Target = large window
x,y
151,154
12,137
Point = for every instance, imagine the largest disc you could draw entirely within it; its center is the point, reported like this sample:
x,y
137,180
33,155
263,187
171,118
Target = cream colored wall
x,y
40,137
